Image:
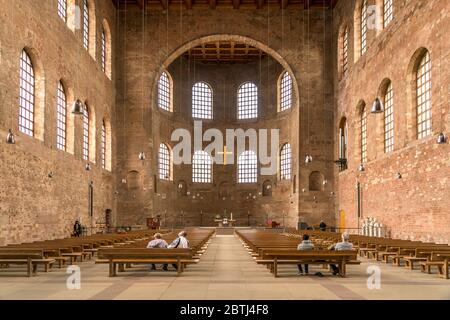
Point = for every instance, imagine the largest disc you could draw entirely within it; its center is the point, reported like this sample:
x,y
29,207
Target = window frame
x,y
202,168
286,89
286,162
363,124
424,96
86,133
164,162
202,101
389,119
248,101
27,95
61,118
247,167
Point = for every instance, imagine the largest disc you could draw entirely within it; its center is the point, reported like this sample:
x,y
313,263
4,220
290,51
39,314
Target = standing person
x,y
77,231
322,225
158,242
306,244
344,245
180,242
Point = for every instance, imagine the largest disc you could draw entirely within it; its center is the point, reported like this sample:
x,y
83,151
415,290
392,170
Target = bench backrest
x,y
313,254
21,254
124,253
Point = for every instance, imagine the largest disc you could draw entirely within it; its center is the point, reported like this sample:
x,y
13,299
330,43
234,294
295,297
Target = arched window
x,y
164,161
285,88
61,118
165,92
345,51
248,101
423,94
103,145
26,95
103,51
285,162
86,25
247,167
62,9
363,124
86,136
202,167
388,12
363,35
343,139
389,119
202,101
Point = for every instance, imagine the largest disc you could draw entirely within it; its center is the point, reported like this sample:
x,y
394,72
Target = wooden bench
x,y
29,257
129,256
439,260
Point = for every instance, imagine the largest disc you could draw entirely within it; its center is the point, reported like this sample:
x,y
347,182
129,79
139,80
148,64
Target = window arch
x,y
202,101
285,162
360,20
388,12
363,125
344,51
86,133
388,118
106,58
423,96
202,167
248,101
247,167
164,161
89,26
165,91
61,118
62,9
106,144
285,91
343,141
27,95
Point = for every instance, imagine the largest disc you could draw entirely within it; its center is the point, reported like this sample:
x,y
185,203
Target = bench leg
x,y
275,268
121,267
29,267
35,268
445,276
179,267
46,267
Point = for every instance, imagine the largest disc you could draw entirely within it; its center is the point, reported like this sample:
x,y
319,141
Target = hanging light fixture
x,y
88,167
142,156
441,139
361,167
398,175
377,106
10,138
78,107
308,158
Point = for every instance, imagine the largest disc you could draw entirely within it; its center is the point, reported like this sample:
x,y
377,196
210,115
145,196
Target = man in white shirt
x,y
180,242
344,245
157,242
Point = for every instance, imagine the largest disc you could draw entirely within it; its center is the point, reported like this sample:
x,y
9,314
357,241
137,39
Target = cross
x,y
225,153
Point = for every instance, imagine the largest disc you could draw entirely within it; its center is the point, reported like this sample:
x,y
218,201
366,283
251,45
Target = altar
x,y
225,222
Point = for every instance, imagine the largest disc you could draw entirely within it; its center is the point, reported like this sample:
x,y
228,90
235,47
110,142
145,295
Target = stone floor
x,y
226,271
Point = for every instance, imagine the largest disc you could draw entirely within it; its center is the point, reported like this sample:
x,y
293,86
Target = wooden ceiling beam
x,y
212,4
306,4
164,4
284,4
236,4
141,4
259,4
189,4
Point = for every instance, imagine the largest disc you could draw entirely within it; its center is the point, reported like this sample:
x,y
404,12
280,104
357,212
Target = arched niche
x,y
133,179
315,181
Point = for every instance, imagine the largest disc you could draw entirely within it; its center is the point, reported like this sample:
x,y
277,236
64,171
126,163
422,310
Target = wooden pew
x,y
439,260
29,257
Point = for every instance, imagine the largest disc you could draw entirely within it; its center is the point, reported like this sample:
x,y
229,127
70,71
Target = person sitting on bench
x,y
306,244
340,246
180,242
157,242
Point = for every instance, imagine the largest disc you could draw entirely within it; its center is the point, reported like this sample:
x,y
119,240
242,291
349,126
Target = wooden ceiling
x,y
236,4
224,52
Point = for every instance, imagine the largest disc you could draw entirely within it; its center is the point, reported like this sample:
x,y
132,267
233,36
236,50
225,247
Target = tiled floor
x,y
226,271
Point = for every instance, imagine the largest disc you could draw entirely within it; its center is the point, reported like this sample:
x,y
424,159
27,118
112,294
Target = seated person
x,y
341,246
157,242
322,226
180,242
306,244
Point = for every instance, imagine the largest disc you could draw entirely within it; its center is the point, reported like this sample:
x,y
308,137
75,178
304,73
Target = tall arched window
x,y
61,118
202,101
389,119
423,93
285,88
343,144
164,161
62,9
165,92
248,167
363,27
103,145
345,51
363,124
248,101
202,167
388,12
26,95
285,162
103,51
86,136
86,25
